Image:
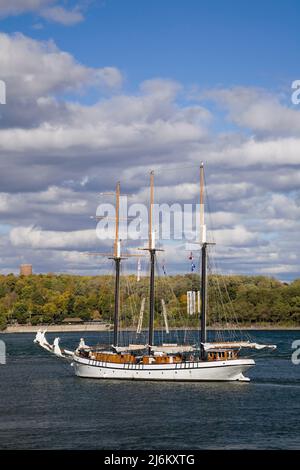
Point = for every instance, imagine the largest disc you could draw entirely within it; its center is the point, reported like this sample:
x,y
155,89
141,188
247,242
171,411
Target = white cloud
x,y
279,269
270,152
235,236
48,9
37,74
258,110
61,15
36,238
56,155
15,7
33,69
227,191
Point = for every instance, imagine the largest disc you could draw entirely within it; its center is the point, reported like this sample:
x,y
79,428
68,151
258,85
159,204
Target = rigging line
x,y
132,302
228,320
121,306
164,169
212,304
159,332
144,292
182,317
212,295
210,257
245,332
190,333
110,296
126,305
222,277
161,279
139,295
157,287
229,303
159,171
171,319
220,305
213,239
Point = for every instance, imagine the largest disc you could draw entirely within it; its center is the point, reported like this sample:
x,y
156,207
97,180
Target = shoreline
x,y
54,328
97,328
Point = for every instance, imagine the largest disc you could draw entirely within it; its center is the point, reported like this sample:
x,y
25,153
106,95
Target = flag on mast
x,y
193,266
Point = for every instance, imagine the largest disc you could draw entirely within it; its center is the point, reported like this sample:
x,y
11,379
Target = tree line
x,y
50,298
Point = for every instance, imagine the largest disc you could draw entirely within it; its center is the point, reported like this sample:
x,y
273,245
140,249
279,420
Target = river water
x,y
44,406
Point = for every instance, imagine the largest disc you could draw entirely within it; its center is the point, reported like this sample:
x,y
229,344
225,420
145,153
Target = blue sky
x,y
216,43
97,89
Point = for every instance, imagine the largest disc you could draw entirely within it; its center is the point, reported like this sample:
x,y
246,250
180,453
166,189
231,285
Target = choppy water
x,y
44,406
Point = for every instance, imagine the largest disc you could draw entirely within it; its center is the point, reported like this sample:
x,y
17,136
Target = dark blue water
x,y
44,406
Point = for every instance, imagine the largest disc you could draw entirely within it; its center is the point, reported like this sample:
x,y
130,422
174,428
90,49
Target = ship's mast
x,y
203,287
117,260
152,251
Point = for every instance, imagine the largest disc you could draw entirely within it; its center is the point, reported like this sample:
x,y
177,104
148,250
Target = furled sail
x,y
130,347
238,344
172,348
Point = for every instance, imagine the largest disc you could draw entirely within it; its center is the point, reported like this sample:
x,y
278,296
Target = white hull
x,y
230,370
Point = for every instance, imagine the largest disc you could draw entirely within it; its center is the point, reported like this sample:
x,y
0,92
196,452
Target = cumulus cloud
x,y
37,74
35,237
61,15
258,110
235,236
34,69
48,9
15,7
39,129
56,155
53,200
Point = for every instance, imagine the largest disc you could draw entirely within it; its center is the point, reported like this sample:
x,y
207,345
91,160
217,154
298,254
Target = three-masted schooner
x,y
217,361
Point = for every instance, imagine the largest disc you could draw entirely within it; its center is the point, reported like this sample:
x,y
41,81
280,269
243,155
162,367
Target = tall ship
x,y
202,360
